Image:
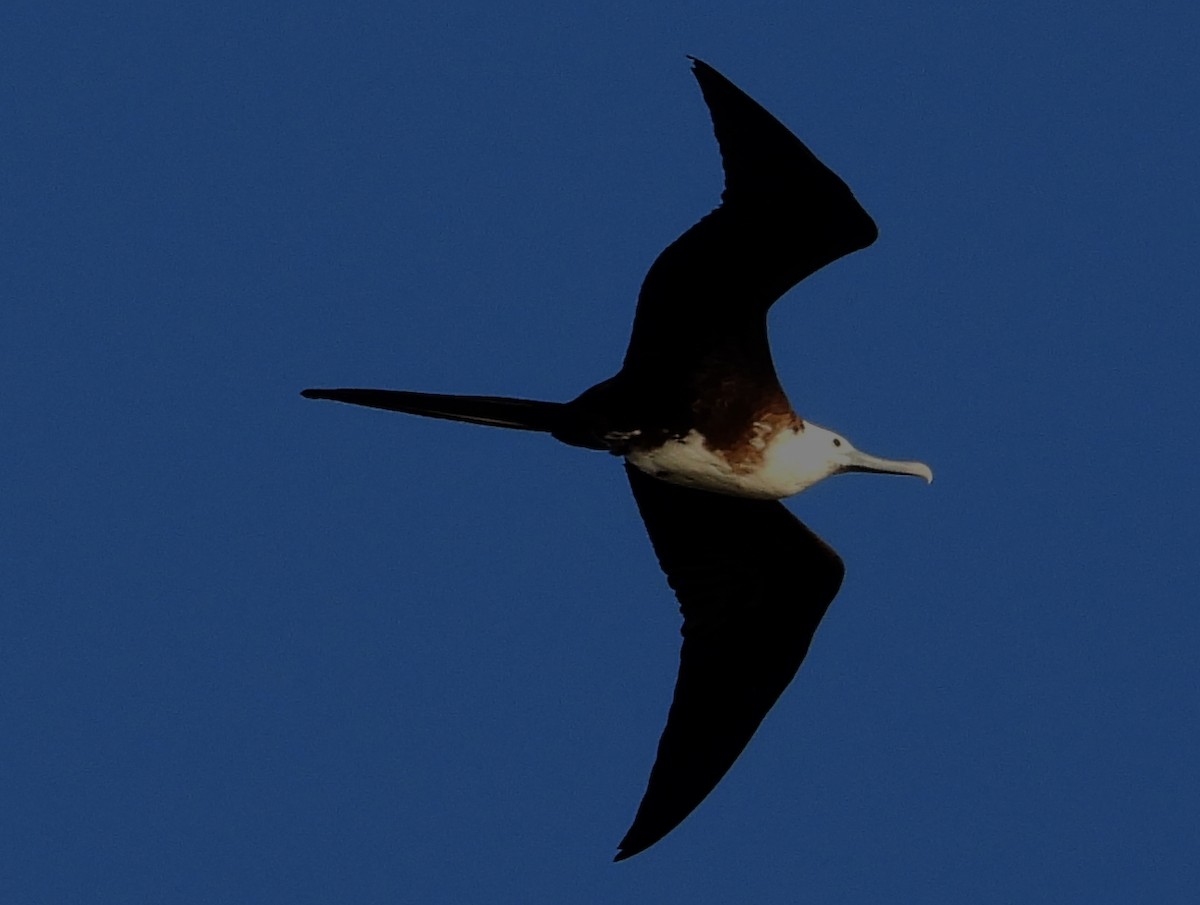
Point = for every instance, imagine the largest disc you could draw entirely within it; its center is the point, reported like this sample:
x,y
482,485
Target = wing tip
x,y
646,831
628,849
701,69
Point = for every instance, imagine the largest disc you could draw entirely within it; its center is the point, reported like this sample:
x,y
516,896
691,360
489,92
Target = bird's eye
x,y
837,441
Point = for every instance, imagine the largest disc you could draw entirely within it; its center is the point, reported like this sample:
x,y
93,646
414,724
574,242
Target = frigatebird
x,y
711,443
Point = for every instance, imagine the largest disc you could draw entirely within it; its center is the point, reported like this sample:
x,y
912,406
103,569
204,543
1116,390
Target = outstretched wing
x,y
783,215
753,583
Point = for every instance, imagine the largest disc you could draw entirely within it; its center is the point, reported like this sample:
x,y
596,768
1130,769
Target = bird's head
x,y
826,453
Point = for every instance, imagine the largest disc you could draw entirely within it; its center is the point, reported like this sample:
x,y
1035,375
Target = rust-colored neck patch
x,y
747,451
739,409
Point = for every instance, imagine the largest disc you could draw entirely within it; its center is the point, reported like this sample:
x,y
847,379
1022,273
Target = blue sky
x,y
259,649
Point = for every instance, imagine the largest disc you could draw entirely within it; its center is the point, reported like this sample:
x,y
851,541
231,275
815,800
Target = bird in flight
x,y
711,444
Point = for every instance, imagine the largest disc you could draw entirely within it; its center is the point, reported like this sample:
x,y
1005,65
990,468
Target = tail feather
x,y
497,411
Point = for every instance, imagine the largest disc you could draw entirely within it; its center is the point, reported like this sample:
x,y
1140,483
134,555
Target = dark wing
x,y
753,583
783,216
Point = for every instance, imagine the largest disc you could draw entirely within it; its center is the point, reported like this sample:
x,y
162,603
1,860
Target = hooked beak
x,y
856,460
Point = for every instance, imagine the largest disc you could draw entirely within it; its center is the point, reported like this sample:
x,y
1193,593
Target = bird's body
x,y
776,458
769,461
711,443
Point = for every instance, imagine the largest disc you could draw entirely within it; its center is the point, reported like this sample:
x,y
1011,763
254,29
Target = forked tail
x,y
497,411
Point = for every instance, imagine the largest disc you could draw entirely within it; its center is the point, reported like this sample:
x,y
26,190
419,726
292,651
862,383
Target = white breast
x,y
781,464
